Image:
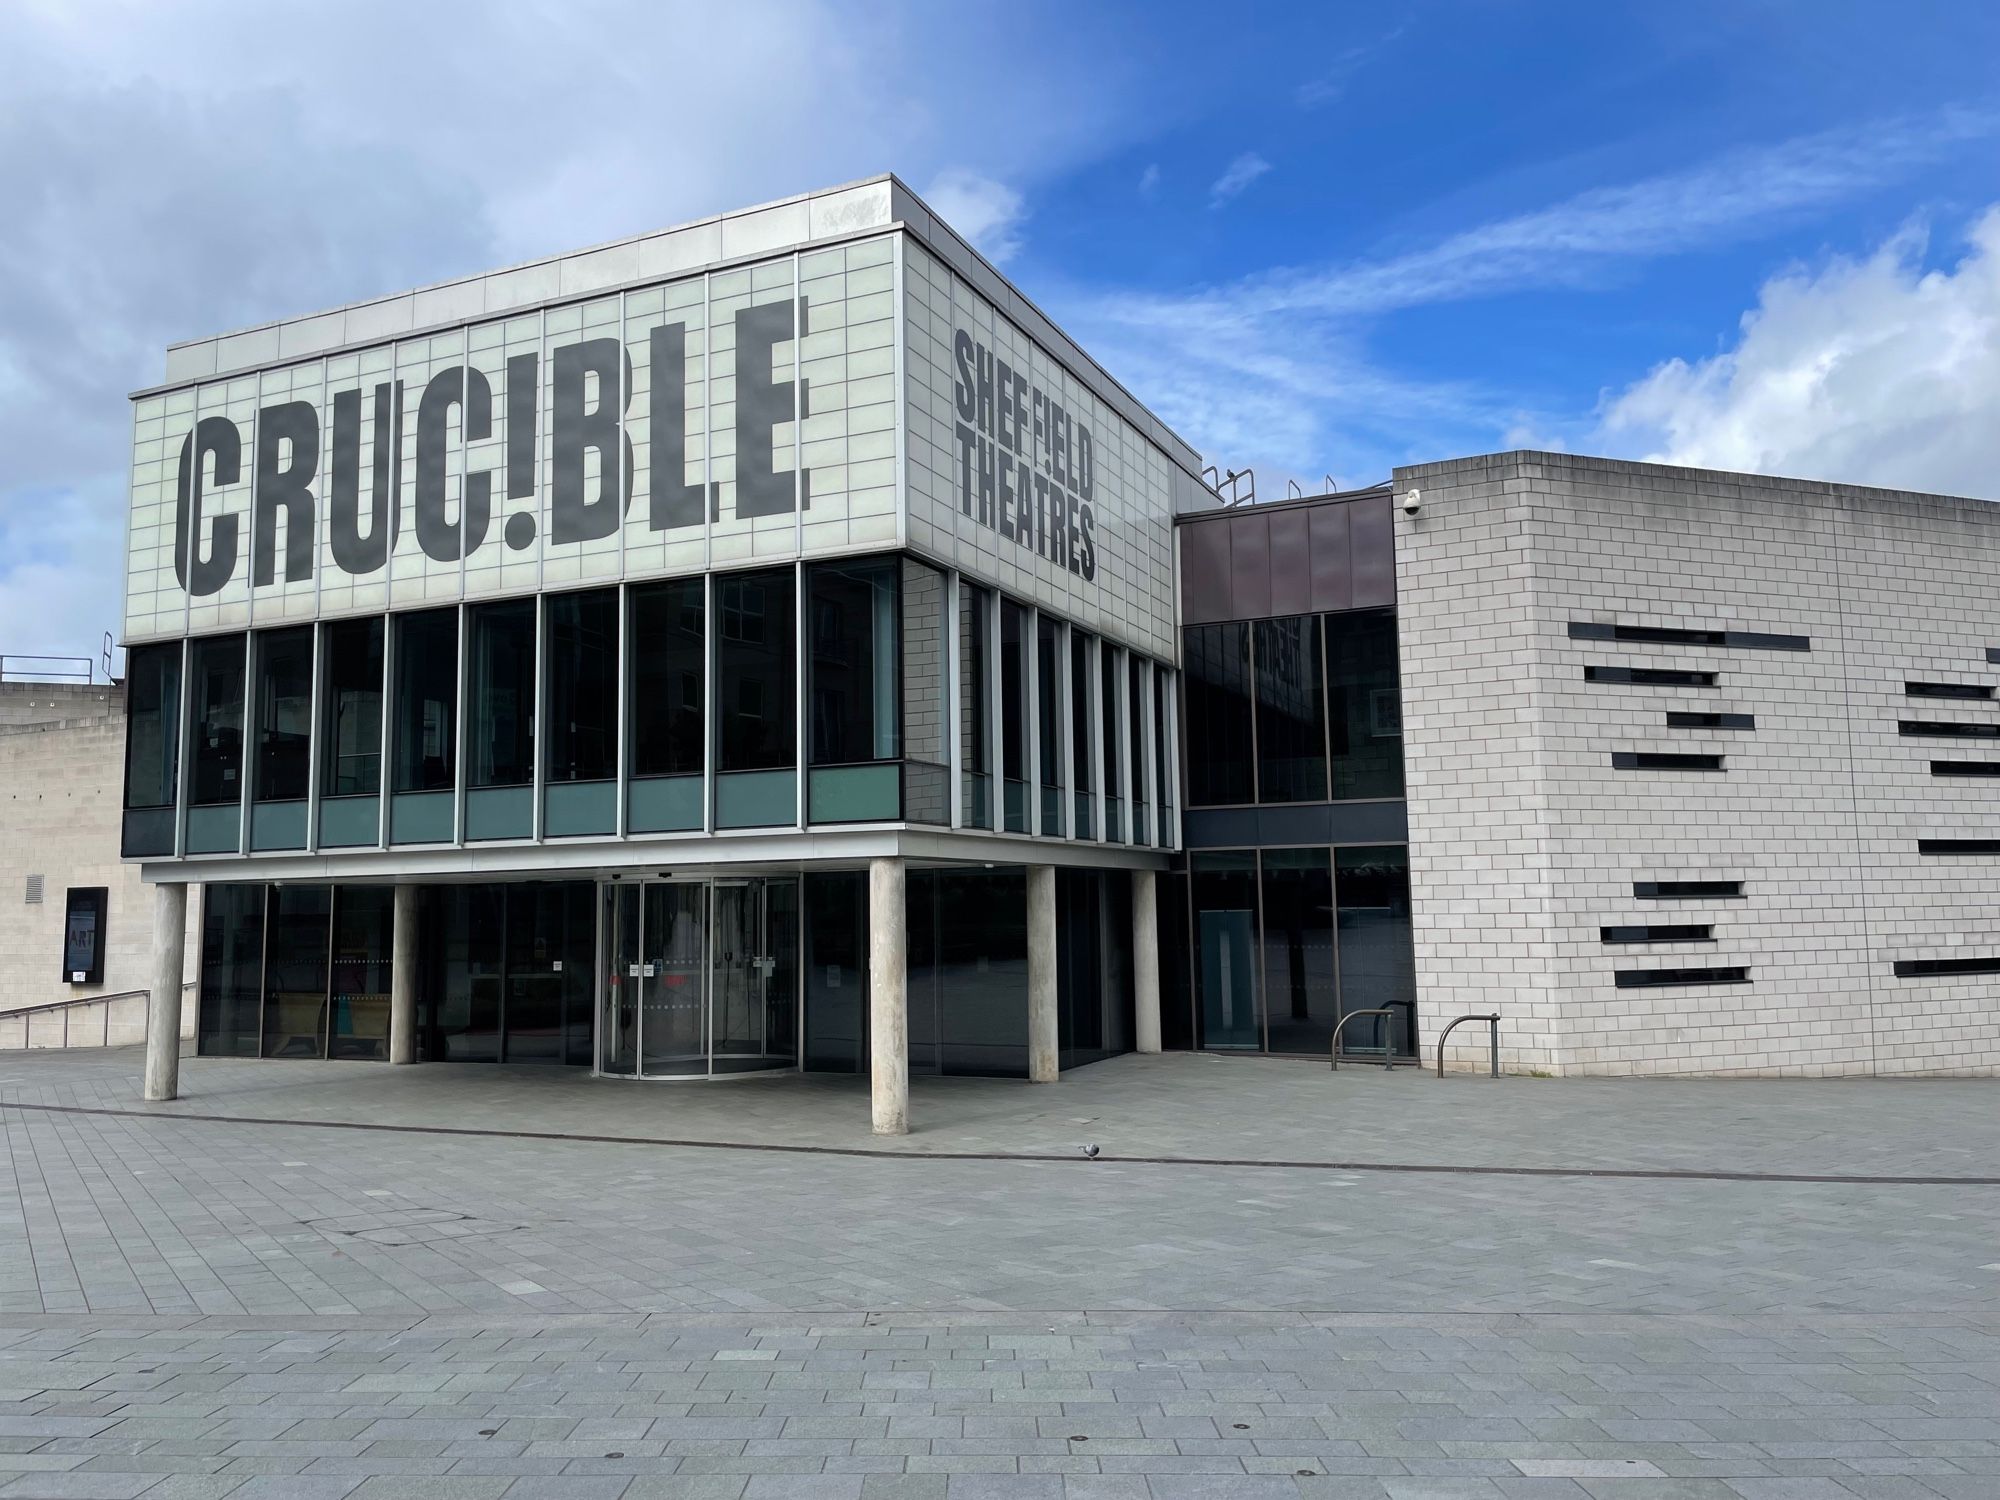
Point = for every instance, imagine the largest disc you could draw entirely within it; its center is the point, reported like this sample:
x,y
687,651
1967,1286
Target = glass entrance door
x,y
699,977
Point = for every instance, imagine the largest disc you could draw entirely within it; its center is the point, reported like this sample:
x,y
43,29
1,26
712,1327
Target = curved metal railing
x,y
1493,1039
1388,1045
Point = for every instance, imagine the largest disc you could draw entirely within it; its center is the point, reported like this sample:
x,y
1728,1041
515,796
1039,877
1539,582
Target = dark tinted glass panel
x,y
364,937
1958,846
1113,729
1643,760
351,736
500,695
666,657
1217,692
854,635
981,972
1947,730
1093,965
1948,690
284,714
974,705
1378,966
756,711
1048,706
581,677
1367,704
1918,967
1649,676
1163,683
1657,933
549,948
1142,773
1080,700
152,724
836,937
1629,979
464,930
1225,943
1965,768
1176,964
1301,980
295,960
1291,711
215,723
425,745
230,1012
1686,890
1680,720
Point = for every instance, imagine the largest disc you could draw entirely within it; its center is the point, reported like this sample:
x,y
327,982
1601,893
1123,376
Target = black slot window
x,y
1633,979
1938,729
1651,760
1687,890
1668,635
1657,933
1965,768
1679,720
1917,968
284,714
215,720
1958,846
1947,690
1650,676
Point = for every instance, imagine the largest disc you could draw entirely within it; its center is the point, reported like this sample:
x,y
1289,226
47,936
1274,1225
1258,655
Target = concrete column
x,y
1145,961
888,998
163,1006
403,979
1044,1041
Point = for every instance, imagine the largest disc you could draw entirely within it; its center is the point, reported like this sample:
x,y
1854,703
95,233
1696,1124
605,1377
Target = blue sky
x,y
1317,239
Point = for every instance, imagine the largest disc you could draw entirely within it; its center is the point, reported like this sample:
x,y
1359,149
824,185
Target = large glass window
x,y
500,695
231,991
756,714
1217,701
1048,724
1301,980
1367,704
351,735
1114,732
1378,966
667,663
1081,698
581,676
284,714
1291,711
968,971
1014,713
1142,777
1225,937
425,752
364,935
152,724
216,720
1163,686
295,962
974,705
853,690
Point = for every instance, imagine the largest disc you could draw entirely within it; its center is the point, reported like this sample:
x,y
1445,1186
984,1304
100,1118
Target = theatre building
x,y
771,644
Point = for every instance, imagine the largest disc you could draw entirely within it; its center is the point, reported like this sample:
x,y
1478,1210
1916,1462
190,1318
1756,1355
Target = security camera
x,y
1413,501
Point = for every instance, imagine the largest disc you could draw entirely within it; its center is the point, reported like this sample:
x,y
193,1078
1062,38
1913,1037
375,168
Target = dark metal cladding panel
x,y
1204,572
1250,567
1332,558
1374,552
1291,563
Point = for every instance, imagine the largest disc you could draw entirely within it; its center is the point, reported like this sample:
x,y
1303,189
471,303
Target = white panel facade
x,y
1526,840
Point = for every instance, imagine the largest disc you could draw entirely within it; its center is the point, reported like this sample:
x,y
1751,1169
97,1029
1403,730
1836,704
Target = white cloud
x,y
1874,371
1235,177
989,214
1149,180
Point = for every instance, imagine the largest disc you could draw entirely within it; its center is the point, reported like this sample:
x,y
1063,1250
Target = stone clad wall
x,y
1526,841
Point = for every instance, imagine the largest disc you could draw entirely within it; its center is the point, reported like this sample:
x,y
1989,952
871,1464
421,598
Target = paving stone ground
x,y
231,1306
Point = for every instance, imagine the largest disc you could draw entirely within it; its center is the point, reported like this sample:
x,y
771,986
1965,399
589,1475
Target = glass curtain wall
x,y
215,727
1082,709
580,696
1216,668
350,772
1368,705
364,937
1014,669
1291,710
500,720
1377,959
1049,661
152,747
283,689
1112,726
295,970
1223,890
229,997
755,686
1135,716
968,971
1301,977
975,698
854,691
666,657
424,731
1094,991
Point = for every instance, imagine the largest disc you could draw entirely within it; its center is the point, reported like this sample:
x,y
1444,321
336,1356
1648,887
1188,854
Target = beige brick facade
x,y
1525,841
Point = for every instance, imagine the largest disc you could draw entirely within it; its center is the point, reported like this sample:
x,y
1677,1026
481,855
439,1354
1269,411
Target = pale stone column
x,y
403,979
1044,1043
1145,961
888,998
163,1005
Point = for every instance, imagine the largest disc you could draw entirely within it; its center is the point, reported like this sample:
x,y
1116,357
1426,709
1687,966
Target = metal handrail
x,y
70,1004
1388,1047
1493,1038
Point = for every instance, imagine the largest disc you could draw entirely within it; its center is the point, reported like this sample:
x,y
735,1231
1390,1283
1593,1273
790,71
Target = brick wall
x,y
1526,842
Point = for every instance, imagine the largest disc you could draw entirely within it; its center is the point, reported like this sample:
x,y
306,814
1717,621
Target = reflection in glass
x,y
1224,889
152,724
618,1044
1217,701
974,699
1142,780
351,734
284,714
465,925
229,1005
1048,709
1113,729
981,972
754,997
295,954
1367,704
1081,707
1301,983
666,659
500,694
756,715
580,678
1014,714
673,980
215,723
364,934
854,636
1378,968
836,968
1291,711
425,750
